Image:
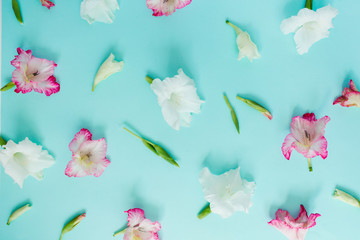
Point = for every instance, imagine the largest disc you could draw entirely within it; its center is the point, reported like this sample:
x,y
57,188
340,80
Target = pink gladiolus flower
x,y
307,137
88,156
350,96
33,73
47,3
294,229
166,7
140,228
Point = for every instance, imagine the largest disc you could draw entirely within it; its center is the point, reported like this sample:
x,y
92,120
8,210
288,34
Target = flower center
x,y
307,138
20,159
85,158
311,25
176,99
30,76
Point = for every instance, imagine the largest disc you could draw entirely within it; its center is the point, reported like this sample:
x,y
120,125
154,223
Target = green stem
x,y
120,232
204,212
236,28
309,4
8,86
149,79
134,134
309,163
61,236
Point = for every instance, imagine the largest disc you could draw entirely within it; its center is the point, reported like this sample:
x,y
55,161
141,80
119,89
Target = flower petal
x,y
161,7
47,3
135,216
98,10
108,68
246,47
82,136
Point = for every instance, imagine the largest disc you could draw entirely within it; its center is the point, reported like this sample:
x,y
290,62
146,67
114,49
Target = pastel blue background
x,y
197,39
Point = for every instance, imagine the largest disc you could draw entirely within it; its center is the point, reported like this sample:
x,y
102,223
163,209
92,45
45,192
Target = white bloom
x,y
246,47
227,193
309,26
24,159
346,198
177,98
108,68
98,10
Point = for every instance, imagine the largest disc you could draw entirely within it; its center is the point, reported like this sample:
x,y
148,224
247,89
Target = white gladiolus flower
x,y
24,159
246,47
177,98
309,26
98,10
108,68
227,193
346,198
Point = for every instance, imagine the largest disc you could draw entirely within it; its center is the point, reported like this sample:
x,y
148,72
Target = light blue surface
x,y
197,39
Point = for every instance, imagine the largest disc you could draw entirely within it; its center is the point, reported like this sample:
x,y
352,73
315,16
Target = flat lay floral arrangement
x,y
160,120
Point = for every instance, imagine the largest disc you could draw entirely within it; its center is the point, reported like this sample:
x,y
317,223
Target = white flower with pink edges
x,y
88,156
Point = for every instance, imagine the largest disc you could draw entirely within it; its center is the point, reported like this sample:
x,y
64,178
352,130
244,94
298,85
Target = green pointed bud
x,y
256,106
18,212
8,86
73,223
233,114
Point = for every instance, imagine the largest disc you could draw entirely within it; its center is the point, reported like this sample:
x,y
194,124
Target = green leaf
x,y
16,8
309,4
149,146
256,106
233,114
2,141
8,86
204,212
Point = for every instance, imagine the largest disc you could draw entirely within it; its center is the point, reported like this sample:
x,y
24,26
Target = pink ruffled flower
x,y
166,7
140,228
294,229
33,73
88,156
47,3
307,137
350,96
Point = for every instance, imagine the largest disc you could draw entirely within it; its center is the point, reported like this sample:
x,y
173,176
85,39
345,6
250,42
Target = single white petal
x,y
177,98
98,10
293,23
246,47
108,68
309,34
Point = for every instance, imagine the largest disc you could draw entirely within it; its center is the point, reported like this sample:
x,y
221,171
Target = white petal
x,y
177,98
309,34
24,159
98,10
108,68
246,47
226,193
293,23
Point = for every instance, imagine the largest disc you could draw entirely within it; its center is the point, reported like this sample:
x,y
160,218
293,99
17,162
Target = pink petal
x,y
47,3
135,216
161,7
309,116
288,146
352,86
23,57
82,136
74,169
50,86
